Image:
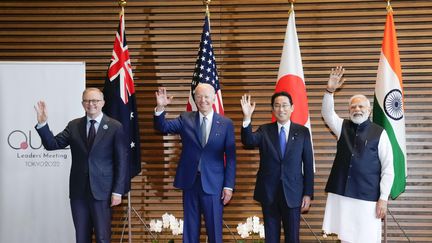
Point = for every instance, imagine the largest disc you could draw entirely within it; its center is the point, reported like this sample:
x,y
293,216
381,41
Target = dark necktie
x,y
204,131
282,141
91,134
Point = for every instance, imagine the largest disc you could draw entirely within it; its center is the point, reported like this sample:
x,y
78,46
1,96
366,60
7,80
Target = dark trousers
x,y
278,212
195,203
89,215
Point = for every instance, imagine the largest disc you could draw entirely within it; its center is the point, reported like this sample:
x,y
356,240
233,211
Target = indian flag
x,y
388,109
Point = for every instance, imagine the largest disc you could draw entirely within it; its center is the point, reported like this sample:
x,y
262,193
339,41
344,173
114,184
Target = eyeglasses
x,y
283,106
93,102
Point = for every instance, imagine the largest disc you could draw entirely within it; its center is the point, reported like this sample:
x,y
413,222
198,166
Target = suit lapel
x,y
214,127
83,129
102,129
274,138
291,136
198,127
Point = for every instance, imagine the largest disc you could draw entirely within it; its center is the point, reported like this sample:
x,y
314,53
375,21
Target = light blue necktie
x,y
282,141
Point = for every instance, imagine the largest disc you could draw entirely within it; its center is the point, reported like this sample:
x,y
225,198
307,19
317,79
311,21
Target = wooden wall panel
x,y
163,38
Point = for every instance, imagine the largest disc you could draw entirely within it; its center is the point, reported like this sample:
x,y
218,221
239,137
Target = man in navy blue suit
x,y
99,169
207,183
284,184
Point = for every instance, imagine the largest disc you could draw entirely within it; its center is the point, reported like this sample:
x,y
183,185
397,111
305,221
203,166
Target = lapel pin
x,y
105,126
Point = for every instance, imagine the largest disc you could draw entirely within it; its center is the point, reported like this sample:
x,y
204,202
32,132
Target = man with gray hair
x,y
206,169
362,173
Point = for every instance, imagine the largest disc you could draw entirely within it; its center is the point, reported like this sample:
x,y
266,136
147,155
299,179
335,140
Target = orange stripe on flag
x,y
390,47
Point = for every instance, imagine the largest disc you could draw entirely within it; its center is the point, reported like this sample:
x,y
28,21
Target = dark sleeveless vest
x,y
356,170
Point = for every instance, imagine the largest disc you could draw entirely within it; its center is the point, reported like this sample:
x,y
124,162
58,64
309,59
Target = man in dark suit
x,y
284,184
206,182
99,170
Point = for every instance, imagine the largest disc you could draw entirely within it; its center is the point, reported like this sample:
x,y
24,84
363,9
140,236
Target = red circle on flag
x,y
295,86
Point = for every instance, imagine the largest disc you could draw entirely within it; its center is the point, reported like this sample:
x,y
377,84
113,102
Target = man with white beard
x,y
362,173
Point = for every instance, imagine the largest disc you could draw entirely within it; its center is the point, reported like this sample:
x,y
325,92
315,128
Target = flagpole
x,y
122,4
207,3
389,9
292,5
303,218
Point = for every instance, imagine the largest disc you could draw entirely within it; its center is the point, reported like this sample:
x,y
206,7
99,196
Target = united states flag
x,y
120,101
205,70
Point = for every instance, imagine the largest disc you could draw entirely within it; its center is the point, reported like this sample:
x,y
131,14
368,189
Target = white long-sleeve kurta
x,y
354,220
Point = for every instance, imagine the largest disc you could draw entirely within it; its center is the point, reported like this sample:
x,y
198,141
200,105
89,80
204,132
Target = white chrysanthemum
x,y
261,231
174,225
255,220
181,222
166,220
256,224
242,230
249,224
173,222
176,231
156,226
152,225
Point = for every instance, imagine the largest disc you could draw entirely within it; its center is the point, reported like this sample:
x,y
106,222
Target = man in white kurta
x,y
351,213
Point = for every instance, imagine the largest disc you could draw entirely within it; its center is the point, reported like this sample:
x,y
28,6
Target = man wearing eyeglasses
x,y
284,184
99,167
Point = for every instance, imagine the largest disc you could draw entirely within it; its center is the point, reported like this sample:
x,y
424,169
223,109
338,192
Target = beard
x,y
359,118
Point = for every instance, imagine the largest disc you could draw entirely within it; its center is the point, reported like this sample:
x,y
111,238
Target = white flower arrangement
x,y
156,225
168,221
250,227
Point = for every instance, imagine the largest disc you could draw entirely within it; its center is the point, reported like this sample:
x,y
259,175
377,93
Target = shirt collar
x,y
98,119
286,126
209,116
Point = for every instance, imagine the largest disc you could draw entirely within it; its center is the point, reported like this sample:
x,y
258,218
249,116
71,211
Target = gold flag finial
x,y
292,5
207,3
389,7
122,4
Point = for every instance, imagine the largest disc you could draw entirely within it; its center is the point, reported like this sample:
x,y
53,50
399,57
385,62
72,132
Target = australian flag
x,y
206,70
120,101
